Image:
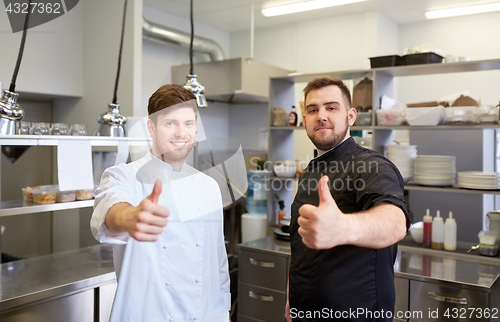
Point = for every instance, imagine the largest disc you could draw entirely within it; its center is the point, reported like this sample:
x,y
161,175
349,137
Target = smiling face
x,y
327,118
173,135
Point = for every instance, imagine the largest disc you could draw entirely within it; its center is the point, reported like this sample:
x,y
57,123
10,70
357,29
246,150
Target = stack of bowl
x,y
403,156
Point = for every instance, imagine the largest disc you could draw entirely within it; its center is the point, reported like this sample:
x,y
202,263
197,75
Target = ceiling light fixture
x,y
112,122
191,81
11,113
305,6
461,11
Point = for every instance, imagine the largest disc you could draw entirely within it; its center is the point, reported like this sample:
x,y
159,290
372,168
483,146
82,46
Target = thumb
x,y
156,192
324,192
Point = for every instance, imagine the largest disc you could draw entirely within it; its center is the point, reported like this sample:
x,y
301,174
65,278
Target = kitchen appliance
x,y
112,122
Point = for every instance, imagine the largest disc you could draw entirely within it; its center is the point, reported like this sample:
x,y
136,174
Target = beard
x,y
330,141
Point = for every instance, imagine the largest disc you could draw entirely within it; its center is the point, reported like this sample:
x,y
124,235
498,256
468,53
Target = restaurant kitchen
x,y
69,67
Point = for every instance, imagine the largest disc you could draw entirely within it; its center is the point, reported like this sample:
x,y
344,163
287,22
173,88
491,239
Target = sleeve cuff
x,y
227,300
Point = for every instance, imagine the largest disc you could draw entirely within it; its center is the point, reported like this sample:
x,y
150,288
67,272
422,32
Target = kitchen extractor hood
x,y
237,80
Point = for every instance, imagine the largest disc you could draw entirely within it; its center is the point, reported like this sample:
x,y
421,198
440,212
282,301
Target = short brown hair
x,y
321,82
166,96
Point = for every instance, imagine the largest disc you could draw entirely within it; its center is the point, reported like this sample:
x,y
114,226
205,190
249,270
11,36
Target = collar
x,y
162,164
332,153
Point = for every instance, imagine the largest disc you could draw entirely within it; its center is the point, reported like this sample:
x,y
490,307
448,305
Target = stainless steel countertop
x,y
469,271
42,277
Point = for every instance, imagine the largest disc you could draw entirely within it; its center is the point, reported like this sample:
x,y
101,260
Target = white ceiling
x,y
234,15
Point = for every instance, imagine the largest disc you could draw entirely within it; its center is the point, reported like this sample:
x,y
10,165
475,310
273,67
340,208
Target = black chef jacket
x,y
345,282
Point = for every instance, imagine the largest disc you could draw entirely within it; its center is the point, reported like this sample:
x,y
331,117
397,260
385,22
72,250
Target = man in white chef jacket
x,y
165,221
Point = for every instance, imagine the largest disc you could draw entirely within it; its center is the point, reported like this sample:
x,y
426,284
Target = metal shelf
x,y
403,127
395,71
21,207
444,68
438,127
52,140
453,189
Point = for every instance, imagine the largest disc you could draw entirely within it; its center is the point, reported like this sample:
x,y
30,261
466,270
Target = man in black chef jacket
x,y
347,217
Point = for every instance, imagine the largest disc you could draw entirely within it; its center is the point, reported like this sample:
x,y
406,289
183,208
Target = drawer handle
x,y
264,298
448,299
262,264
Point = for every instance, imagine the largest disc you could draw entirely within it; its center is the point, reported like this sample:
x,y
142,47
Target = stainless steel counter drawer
x,y
457,302
264,270
260,303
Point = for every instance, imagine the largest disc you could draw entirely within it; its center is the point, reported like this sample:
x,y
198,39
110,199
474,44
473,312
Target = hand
x,y
322,227
287,312
144,222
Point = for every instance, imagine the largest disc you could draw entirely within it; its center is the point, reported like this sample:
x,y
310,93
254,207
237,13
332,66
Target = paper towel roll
x,y
253,227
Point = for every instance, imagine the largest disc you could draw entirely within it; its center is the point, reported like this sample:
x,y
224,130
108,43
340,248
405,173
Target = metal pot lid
x,y
112,116
9,109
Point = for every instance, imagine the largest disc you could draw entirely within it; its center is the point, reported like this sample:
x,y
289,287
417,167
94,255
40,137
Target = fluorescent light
x,y
305,6
462,11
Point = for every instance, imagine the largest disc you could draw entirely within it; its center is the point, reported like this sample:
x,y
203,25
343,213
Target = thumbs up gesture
x,y
322,227
144,222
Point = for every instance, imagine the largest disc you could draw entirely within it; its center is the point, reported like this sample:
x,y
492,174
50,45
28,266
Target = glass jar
x,y
59,129
24,129
78,130
40,128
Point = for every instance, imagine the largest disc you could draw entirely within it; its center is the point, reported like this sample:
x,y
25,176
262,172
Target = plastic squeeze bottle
x,y
437,232
450,233
427,230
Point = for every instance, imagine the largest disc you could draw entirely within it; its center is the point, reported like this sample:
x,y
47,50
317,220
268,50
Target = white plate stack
x,y
403,156
479,180
435,170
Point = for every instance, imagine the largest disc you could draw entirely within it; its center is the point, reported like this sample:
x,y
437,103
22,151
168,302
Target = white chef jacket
x,y
183,276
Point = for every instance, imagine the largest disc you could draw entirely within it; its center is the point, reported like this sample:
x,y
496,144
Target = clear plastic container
x,y
463,115
40,128
488,243
78,130
27,192
363,119
391,117
65,196
488,114
59,129
44,196
84,194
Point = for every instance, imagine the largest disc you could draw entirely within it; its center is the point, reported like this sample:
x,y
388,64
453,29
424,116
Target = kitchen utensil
x,y
473,247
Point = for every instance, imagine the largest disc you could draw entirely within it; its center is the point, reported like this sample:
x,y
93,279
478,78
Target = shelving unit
x,y
20,207
476,140
52,140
